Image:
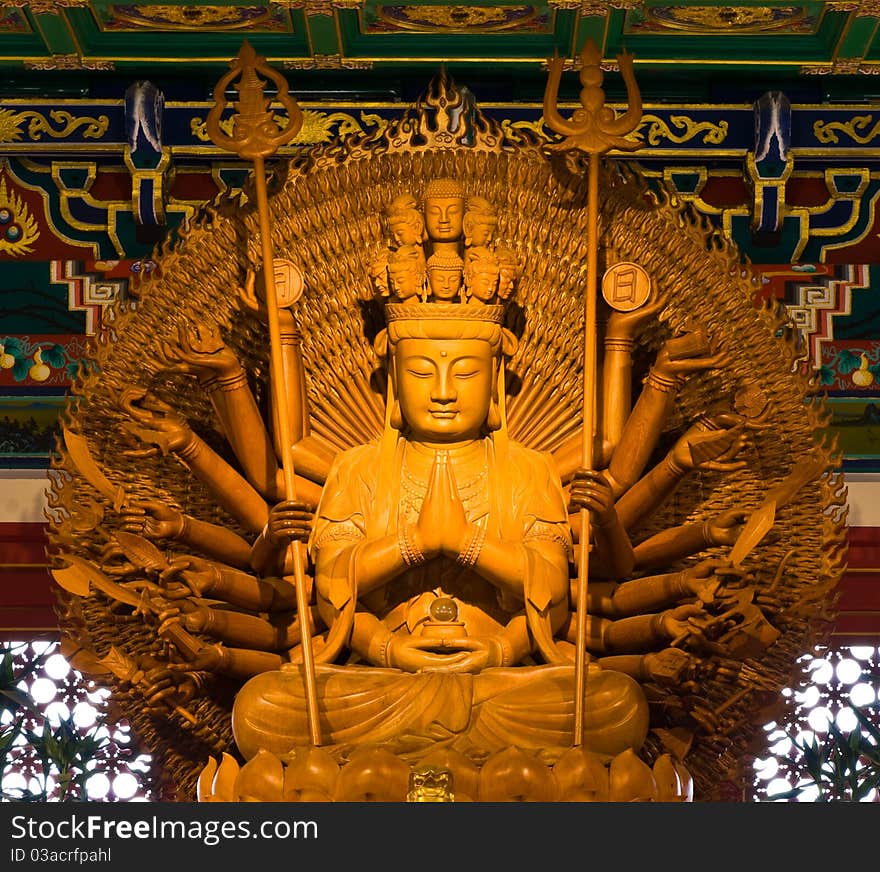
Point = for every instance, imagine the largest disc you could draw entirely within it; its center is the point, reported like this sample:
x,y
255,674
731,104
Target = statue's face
x,y
483,281
444,387
405,279
480,229
506,278
406,227
443,218
406,271
445,284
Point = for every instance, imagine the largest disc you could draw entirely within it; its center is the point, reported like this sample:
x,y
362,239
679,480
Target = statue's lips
x,y
443,414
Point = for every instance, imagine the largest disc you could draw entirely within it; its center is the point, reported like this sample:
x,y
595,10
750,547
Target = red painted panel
x,y
22,543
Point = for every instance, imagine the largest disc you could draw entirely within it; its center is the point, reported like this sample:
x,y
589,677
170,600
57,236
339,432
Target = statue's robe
x,y
368,494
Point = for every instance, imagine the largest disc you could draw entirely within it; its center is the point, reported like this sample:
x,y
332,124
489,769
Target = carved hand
x,y
201,353
200,576
163,687
289,521
684,622
625,325
703,581
724,529
442,527
670,366
416,654
155,422
256,302
590,490
703,449
152,519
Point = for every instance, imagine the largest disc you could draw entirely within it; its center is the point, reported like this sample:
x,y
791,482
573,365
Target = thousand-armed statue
x,y
426,516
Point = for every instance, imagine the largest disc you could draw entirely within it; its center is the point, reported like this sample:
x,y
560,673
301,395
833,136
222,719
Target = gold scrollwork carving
x,y
317,126
46,7
18,229
328,62
512,129
65,124
658,129
318,7
825,131
71,61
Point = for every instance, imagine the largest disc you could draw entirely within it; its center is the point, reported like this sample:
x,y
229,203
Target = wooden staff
x,y
593,130
256,136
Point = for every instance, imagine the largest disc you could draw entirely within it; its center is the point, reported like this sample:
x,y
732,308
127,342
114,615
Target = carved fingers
x,y
625,325
686,354
253,295
163,687
200,351
290,521
152,519
442,527
198,577
713,450
153,421
591,490
419,654
724,529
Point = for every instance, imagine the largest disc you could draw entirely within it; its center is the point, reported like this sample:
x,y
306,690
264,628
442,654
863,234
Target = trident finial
x,y
254,131
595,128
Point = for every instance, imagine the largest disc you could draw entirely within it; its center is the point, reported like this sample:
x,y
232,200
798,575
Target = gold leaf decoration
x,y
825,131
18,228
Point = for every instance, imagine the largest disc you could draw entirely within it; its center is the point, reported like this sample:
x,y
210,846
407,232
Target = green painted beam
x,y
322,35
54,32
856,40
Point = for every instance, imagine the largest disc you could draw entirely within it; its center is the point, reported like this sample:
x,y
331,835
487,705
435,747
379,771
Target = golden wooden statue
x,y
332,536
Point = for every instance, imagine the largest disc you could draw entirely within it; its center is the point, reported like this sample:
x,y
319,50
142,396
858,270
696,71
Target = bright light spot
x,y
43,690
98,696
846,720
14,781
97,786
782,747
767,768
141,763
778,785
848,671
821,671
6,716
57,667
84,715
125,785
818,719
862,652
862,694
870,797
56,712
810,793
809,697
42,647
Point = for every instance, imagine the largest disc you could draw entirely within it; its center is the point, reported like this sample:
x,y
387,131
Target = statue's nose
x,y
443,389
